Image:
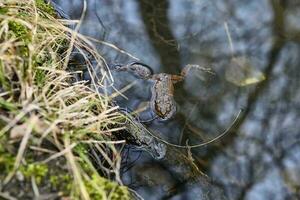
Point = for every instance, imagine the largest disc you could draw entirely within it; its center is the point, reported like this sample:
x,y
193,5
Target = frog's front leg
x,y
140,70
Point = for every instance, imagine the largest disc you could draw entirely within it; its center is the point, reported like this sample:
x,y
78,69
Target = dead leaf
x,y
242,73
18,131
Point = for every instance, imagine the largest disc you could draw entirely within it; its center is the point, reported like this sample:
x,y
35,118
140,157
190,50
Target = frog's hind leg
x,y
142,65
141,70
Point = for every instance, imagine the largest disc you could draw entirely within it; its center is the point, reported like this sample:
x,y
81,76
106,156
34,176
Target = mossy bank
x,y
48,122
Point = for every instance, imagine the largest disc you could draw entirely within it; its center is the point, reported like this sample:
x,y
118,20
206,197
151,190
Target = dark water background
x,y
260,158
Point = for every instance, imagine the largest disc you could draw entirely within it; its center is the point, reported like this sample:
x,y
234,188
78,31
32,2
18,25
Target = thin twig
x,y
229,38
61,153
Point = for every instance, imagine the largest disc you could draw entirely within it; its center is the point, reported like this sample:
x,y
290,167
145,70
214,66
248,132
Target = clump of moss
x,y
38,171
45,116
7,161
20,32
62,183
45,7
3,11
6,105
97,185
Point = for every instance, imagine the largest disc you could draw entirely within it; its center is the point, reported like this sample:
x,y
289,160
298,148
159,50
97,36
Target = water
x,y
256,64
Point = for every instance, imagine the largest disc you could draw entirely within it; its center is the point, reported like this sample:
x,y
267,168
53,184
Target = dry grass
x,y
45,116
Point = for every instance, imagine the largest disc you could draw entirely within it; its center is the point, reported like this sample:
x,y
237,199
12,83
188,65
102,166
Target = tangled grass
x,y
48,122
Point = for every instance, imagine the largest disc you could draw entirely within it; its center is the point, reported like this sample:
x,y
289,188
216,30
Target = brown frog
x,y
162,101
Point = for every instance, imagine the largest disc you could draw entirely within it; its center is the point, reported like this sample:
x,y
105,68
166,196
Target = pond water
x,y
253,49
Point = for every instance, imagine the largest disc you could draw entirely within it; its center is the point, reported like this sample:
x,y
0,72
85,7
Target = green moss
x,y
20,31
23,14
7,161
81,149
2,124
46,7
99,187
40,77
61,182
7,105
3,11
3,80
38,171
61,44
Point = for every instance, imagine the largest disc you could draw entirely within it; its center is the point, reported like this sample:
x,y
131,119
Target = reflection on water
x,y
260,157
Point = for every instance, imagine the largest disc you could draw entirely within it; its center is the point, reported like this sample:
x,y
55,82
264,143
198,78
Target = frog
x,y
162,101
